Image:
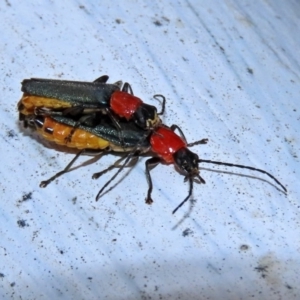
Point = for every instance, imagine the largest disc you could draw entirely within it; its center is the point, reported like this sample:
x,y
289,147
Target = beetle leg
x,y
102,79
187,197
127,88
127,159
201,142
116,124
117,164
118,84
150,164
174,127
85,119
65,170
163,106
73,111
24,119
113,118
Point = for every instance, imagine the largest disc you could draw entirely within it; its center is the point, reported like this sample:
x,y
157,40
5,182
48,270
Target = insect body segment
x,y
88,94
104,135
57,95
56,132
124,104
29,103
130,107
165,143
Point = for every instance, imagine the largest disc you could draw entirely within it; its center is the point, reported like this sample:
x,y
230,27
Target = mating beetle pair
x,y
100,116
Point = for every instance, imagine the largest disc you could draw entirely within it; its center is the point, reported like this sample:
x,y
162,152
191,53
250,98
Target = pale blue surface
x,y
200,56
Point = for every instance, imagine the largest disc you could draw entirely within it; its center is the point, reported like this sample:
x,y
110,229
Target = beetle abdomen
x,y
59,134
28,103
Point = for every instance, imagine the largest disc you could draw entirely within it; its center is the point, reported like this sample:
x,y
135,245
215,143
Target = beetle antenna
x,y
243,167
191,181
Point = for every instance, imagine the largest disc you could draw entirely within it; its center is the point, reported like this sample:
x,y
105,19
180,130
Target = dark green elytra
x,y
130,133
88,94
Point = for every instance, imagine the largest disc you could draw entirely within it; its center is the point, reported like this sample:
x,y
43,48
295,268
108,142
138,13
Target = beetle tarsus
x,y
201,142
149,200
44,183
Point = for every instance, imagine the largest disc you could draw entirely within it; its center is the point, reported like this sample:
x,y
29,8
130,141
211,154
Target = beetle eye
x,y
184,164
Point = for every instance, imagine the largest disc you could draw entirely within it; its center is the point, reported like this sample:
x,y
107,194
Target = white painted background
x,y
230,72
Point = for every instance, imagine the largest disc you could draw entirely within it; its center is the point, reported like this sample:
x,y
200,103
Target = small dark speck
x,y
263,270
22,223
12,284
187,232
250,71
74,200
84,9
239,87
90,278
114,240
119,21
157,23
26,197
61,251
11,133
1,275
244,247
289,287
222,49
185,59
